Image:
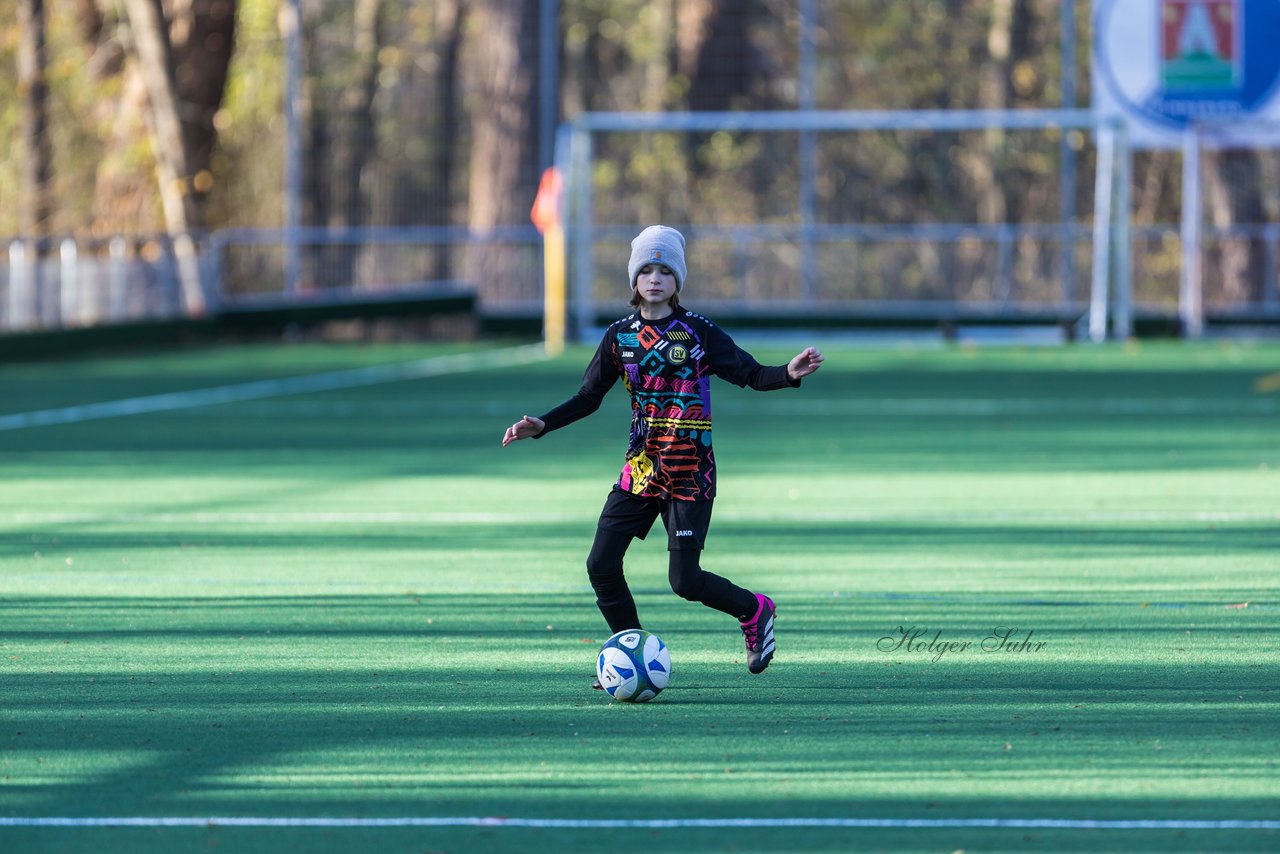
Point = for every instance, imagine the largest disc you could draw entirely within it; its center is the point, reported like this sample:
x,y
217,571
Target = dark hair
x,y
635,301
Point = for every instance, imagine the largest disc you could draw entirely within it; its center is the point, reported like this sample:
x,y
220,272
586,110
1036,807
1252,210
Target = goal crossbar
x,y
839,120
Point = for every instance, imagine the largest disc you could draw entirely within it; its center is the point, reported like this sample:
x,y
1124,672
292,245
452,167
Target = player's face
x,y
656,284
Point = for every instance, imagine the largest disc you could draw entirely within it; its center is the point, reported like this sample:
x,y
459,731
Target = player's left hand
x,y
804,363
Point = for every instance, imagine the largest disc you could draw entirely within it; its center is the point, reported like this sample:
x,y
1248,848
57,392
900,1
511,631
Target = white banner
x,y
1164,66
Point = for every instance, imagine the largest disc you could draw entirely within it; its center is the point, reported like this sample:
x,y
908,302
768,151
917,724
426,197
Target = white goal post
x,y
1216,138
811,248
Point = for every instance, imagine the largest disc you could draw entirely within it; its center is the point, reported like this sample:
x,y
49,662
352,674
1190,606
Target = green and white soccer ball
x,y
634,666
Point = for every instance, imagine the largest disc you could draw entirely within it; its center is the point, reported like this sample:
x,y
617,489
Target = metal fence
x,y
246,267
76,283
82,283
819,256
68,282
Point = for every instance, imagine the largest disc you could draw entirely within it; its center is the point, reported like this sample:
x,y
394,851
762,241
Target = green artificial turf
x,y
357,604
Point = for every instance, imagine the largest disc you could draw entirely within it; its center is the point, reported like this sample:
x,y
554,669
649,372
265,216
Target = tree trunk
x,y
123,193
993,94
36,202
34,87
980,158
106,55
151,49
202,41
183,58
450,18
356,138
354,143
123,189
1232,192
503,178
714,52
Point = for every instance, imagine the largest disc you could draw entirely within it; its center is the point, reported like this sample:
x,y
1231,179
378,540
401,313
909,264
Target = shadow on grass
x,y
342,705
754,840
452,426
967,538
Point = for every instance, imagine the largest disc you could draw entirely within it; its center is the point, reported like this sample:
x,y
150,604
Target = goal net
x,y
890,219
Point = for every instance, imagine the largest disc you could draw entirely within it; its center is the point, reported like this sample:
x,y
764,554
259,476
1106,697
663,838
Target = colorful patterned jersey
x,y
667,366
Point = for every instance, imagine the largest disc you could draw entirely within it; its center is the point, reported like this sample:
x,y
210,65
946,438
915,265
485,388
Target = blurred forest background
x,y
151,116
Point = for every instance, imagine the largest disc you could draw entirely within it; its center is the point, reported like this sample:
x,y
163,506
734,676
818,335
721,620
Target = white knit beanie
x,y
658,244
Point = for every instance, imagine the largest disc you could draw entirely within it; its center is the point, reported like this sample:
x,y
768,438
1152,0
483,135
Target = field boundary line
x,y
261,389
653,824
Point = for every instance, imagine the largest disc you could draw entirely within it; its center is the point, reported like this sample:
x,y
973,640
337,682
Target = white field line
x,y
487,518
262,389
655,824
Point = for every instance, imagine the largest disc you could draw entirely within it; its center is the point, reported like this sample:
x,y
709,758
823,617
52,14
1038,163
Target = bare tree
x,y
1233,191
715,52
34,86
503,174
450,16
430,197
36,202
106,54
183,51
355,142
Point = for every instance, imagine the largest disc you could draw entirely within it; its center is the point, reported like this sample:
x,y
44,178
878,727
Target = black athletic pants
x,y
626,517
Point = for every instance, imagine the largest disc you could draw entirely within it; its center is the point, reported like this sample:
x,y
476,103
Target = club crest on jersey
x,y
677,354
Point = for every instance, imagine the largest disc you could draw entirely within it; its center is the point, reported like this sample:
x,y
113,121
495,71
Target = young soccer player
x,y
666,356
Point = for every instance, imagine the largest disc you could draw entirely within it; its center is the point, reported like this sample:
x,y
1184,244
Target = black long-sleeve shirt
x,y
667,366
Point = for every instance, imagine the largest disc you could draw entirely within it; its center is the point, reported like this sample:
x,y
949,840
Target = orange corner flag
x,y
546,207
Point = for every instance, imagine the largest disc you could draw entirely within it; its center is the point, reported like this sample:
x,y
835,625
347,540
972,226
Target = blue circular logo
x,y
1175,62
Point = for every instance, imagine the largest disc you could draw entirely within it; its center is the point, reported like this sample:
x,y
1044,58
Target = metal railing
x,y
67,282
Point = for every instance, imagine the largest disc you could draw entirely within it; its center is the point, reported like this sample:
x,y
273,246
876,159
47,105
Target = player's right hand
x,y
525,428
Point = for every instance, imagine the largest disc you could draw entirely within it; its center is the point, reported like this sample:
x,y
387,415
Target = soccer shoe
x,y
758,632
595,684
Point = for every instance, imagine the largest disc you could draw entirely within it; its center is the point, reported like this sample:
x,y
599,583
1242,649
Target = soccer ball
x,y
634,666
